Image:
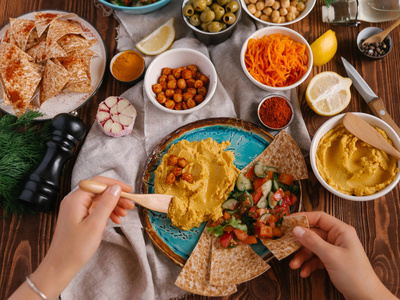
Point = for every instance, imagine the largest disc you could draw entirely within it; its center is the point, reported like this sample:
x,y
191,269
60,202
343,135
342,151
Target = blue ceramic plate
x,y
247,142
136,10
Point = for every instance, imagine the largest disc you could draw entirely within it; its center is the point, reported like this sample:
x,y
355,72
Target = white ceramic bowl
x,y
291,34
330,124
176,58
309,6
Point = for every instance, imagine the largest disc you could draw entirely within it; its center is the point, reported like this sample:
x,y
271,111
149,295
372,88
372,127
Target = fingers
x,y
300,257
109,181
322,220
126,203
310,266
106,205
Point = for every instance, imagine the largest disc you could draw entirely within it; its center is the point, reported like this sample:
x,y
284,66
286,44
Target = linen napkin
x,y
127,265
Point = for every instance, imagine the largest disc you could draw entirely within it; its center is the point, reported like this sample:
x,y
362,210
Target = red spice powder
x,y
275,112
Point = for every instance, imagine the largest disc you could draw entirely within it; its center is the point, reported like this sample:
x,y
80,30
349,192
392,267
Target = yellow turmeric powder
x,y
128,66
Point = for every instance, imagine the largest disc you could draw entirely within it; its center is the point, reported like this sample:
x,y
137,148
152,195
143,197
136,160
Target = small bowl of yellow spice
x,y
127,66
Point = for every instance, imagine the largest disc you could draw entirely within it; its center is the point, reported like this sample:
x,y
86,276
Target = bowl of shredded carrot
x,y
276,58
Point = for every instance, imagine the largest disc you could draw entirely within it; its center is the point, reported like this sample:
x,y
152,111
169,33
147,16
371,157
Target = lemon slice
x,y
324,48
159,40
328,93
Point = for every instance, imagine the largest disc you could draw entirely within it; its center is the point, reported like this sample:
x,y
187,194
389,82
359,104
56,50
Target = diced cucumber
x,y
273,169
266,188
262,203
260,169
246,196
230,204
271,200
243,183
264,218
232,212
275,185
235,194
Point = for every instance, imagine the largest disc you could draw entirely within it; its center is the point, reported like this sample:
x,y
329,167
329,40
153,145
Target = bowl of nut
x,y
375,50
277,12
180,81
212,21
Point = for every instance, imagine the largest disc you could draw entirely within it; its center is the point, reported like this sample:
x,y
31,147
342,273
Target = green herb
x,y
22,147
328,2
219,230
279,223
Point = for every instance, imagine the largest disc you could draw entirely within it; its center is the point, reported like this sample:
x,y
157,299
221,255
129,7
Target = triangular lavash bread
x,y
195,275
287,243
235,265
284,154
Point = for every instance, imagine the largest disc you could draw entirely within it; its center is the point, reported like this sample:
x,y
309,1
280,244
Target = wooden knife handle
x,y
378,109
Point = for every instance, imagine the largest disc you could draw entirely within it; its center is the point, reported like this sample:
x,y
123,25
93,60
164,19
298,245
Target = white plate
x,y
65,102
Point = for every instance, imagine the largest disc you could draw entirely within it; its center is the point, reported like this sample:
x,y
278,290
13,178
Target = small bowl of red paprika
x,y
275,112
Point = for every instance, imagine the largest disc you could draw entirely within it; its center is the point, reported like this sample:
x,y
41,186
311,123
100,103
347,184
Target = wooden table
x,y
25,241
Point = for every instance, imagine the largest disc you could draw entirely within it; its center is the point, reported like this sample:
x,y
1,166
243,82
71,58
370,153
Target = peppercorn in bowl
x,y
373,51
180,81
275,112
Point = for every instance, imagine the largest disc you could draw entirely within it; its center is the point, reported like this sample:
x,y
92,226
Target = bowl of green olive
x,y
212,21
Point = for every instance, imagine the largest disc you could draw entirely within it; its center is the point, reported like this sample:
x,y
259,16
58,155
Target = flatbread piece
x,y
21,30
54,79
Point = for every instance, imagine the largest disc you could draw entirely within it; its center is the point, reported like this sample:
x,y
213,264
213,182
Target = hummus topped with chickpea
x,y
200,175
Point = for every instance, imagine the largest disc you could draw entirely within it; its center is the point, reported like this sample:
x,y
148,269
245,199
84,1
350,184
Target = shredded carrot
x,y
276,60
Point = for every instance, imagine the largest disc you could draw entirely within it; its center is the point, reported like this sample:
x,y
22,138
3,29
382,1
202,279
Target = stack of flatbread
x,y
43,57
212,270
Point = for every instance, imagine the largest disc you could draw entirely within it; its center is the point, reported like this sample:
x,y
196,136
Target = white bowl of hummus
x,y
348,167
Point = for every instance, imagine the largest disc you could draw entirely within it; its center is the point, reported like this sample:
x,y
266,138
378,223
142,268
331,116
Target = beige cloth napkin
x,y
127,265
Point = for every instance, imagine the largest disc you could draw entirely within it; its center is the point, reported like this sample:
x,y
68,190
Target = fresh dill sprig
x,y
22,147
328,2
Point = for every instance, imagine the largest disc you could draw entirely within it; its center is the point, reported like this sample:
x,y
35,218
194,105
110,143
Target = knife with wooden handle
x,y
374,102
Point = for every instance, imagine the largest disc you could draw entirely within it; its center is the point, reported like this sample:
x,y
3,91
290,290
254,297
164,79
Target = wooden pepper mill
x,y
43,185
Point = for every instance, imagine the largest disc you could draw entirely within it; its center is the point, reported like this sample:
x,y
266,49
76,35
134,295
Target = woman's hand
x,y
335,246
81,222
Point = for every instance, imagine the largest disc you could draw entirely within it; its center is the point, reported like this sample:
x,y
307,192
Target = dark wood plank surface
x,y
25,241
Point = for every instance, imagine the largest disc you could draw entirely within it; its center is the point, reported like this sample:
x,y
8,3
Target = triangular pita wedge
x,y
38,52
33,39
73,42
235,265
59,28
21,30
54,78
287,244
195,275
284,154
9,52
20,83
43,20
5,95
54,51
8,36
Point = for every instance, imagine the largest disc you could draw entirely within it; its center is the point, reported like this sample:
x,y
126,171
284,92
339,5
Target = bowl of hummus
x,y
350,168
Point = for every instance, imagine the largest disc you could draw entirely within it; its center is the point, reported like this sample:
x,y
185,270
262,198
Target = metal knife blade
x,y
359,83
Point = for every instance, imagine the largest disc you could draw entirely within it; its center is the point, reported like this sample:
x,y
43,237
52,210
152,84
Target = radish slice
x,y
116,116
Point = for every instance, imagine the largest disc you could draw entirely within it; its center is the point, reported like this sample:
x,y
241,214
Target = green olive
x,y
207,15
195,20
222,2
188,10
214,5
229,18
223,26
199,5
232,6
209,2
204,26
214,27
219,12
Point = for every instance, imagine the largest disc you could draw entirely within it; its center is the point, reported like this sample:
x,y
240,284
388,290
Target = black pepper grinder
x,y
40,191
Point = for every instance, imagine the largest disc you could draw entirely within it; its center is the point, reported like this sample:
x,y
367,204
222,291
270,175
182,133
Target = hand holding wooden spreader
x,y
41,189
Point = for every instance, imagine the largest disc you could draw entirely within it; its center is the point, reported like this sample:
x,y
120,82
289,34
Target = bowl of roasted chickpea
x,y
212,21
277,12
180,81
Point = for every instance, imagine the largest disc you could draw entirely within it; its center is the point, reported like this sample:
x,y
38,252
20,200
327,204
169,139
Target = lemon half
x,y
159,40
324,48
328,93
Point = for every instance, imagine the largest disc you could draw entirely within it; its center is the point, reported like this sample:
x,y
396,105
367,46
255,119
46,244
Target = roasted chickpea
x,y
190,82
190,103
172,160
282,19
166,71
176,171
178,91
205,79
182,162
184,106
291,9
269,2
247,2
276,5
198,98
265,18
260,5
294,3
181,83
192,90
170,179
283,11
192,68
187,96
198,84
187,177
186,74
157,88
268,11
252,8
290,16
275,15
163,78
253,1
301,6
169,93
170,77
164,85
177,72
169,104
178,106
202,91
258,13
161,98
285,3
172,84
178,97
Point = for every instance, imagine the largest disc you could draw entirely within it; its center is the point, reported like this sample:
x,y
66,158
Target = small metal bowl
x,y
265,99
135,79
368,32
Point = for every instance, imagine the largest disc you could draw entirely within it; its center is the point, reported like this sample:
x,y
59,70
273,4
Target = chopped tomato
x,y
227,215
261,211
285,201
272,220
238,217
276,231
279,194
266,231
281,210
240,234
270,175
253,209
228,228
225,239
257,195
250,173
216,223
293,199
287,193
251,239
286,178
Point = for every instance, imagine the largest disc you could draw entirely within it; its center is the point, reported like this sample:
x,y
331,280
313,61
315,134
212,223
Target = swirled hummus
x,y
214,176
352,166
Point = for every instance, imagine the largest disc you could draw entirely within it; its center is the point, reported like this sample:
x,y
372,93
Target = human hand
x,y
81,222
335,246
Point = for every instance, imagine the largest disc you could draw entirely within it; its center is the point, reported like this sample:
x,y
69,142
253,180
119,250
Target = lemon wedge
x,y
324,48
328,93
159,40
